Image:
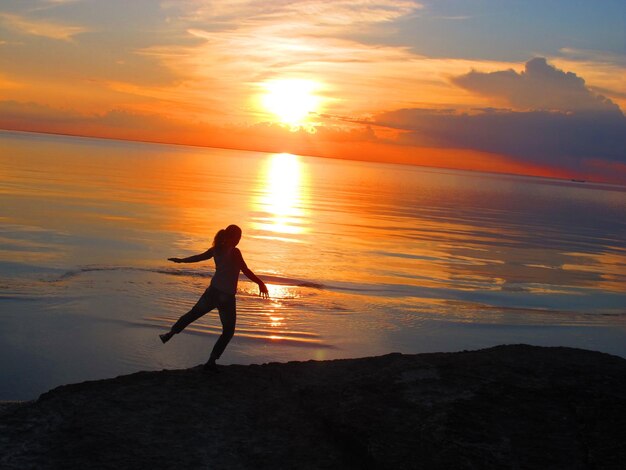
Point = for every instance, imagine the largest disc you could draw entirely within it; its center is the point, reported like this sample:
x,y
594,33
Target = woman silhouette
x,y
221,291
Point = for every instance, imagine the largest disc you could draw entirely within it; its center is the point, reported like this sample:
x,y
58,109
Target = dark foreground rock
x,y
505,407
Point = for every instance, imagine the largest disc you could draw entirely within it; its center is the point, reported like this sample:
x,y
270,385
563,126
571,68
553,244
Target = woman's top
x,y
227,267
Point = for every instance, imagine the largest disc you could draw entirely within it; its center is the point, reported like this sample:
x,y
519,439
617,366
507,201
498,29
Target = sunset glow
x,y
422,83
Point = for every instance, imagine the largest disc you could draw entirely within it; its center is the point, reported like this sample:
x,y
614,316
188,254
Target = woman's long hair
x,y
231,232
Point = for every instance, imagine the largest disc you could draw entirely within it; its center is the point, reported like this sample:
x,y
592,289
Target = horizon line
x,y
159,142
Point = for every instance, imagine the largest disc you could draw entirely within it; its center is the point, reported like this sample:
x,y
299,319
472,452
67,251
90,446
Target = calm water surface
x,y
361,259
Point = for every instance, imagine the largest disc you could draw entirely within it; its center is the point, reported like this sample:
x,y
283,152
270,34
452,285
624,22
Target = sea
x,y
360,258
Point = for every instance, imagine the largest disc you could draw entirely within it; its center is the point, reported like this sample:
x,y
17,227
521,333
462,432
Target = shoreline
x,y
513,406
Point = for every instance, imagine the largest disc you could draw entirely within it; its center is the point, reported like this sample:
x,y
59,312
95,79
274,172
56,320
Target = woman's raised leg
x,y
204,305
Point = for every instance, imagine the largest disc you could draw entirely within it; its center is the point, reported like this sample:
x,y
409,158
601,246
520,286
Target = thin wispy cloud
x,y
245,43
41,5
40,27
314,15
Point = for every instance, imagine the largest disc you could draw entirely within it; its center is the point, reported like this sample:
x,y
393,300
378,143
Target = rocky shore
x,y
505,407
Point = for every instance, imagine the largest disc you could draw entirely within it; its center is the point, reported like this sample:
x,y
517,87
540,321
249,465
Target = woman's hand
x,y
175,260
263,291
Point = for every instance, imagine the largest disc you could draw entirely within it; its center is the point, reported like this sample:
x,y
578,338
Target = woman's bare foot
x,y
166,337
210,366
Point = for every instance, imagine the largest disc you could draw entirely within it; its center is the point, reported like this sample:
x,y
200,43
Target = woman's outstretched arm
x,y
208,254
253,277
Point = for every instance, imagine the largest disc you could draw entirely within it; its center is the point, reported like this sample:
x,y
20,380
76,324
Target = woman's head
x,y
228,237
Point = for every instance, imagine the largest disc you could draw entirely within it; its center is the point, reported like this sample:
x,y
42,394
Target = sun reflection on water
x,y
282,196
279,292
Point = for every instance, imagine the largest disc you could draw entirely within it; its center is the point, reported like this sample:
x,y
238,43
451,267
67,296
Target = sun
x,y
291,100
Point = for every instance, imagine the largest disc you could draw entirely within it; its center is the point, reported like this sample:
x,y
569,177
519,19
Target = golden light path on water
x,y
283,221
282,197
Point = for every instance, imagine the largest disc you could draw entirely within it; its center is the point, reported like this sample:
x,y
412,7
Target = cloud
x,y
126,124
39,27
557,120
546,137
539,87
113,123
603,71
312,15
242,44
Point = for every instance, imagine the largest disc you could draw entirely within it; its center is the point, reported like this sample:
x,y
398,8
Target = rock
x,y
505,407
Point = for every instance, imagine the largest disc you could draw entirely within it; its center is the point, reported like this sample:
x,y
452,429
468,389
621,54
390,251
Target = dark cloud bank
x,y
555,119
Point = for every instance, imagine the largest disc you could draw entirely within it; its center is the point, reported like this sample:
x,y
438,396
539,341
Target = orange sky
x,y
388,80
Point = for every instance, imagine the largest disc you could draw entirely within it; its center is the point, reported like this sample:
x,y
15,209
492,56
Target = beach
x,y
515,406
